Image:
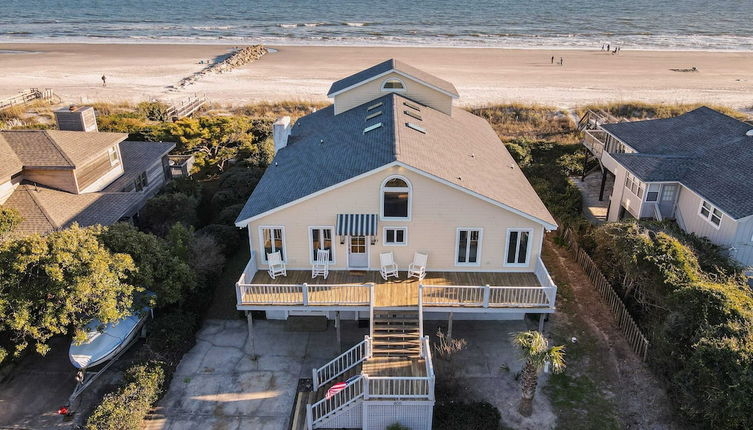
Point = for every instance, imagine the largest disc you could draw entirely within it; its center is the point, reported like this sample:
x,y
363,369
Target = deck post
x,y
449,325
603,183
541,323
305,294
250,342
486,296
337,327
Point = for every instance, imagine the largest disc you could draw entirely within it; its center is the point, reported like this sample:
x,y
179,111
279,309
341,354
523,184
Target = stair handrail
x,y
371,309
341,364
420,310
325,408
426,354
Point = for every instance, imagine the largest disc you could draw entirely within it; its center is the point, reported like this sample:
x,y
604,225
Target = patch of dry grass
x,y
641,110
529,122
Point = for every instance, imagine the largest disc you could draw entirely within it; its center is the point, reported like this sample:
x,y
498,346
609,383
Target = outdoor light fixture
x,y
342,240
373,240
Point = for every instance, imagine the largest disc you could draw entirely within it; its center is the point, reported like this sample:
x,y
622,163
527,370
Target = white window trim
x,y
381,199
391,90
638,183
261,243
711,213
311,243
110,151
528,250
480,246
405,236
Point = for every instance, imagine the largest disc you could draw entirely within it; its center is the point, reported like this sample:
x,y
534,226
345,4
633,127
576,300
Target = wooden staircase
x,y
307,396
396,333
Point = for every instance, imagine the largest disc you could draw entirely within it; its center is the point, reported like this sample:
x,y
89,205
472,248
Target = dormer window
x,y
393,85
396,199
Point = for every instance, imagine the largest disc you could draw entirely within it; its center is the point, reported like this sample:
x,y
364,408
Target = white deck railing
x,y
542,274
342,363
394,387
488,296
304,294
326,408
593,141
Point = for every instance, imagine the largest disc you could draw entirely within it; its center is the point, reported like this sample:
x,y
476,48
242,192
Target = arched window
x,y
396,198
393,85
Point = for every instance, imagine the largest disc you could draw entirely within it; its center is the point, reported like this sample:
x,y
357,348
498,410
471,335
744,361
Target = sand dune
x,y
146,71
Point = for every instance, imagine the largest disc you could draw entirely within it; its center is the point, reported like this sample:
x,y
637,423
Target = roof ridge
x,y
395,124
42,209
60,150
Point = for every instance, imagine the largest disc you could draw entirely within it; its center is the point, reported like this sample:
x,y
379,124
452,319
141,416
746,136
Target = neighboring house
x,y
696,168
392,166
57,177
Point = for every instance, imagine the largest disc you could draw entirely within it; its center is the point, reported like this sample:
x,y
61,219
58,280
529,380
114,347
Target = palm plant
x,y
536,352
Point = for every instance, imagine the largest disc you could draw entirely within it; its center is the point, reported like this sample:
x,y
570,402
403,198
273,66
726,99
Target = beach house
x,y
391,206
694,168
54,178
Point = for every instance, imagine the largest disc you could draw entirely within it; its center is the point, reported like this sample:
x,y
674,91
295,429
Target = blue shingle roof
x,y
703,149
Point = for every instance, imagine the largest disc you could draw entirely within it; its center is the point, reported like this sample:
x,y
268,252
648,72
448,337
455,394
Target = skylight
x,y
415,127
372,127
373,115
412,106
374,106
413,115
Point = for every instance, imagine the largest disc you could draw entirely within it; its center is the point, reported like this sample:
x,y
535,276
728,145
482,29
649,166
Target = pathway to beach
x,y
145,71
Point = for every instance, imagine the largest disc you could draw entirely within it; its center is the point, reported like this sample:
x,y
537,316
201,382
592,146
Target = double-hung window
x,y
468,247
395,236
711,214
272,240
518,249
634,185
321,239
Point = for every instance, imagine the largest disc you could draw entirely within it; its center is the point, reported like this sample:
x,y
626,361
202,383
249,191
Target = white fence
x,y
488,296
325,408
304,294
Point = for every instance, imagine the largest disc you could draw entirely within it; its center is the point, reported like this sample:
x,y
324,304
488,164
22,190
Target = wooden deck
x,y
394,367
392,293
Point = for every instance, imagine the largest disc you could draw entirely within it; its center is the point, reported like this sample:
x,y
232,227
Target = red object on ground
x,y
63,410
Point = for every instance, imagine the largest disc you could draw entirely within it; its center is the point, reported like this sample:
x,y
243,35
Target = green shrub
x,y
228,214
700,323
126,408
226,236
9,219
465,416
172,334
164,210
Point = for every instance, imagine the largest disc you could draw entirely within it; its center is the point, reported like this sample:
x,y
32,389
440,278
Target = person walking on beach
x,y
104,80
552,59
607,47
562,62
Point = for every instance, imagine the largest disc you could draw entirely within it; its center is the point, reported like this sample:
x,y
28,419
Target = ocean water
x,y
633,24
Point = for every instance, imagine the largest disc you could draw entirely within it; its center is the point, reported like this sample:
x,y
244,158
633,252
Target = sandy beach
x,y
137,72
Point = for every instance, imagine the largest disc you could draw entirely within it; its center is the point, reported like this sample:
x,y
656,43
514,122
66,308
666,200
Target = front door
x,y
357,252
667,202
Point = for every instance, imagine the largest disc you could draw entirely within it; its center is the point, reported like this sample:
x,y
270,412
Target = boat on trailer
x,y
105,341
104,344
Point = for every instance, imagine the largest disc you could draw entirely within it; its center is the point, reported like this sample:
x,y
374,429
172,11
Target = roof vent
x,y
415,127
372,127
749,133
373,115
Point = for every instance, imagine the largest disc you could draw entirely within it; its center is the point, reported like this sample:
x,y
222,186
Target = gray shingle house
x,y
696,168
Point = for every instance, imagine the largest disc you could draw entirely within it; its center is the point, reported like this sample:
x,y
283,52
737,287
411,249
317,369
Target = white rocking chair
x,y
387,265
276,265
418,267
321,265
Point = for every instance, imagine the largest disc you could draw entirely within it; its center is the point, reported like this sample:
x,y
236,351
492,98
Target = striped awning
x,y
356,224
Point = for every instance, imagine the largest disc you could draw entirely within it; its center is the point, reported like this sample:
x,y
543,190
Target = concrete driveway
x,y
39,385
219,384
